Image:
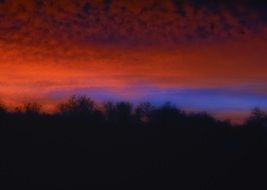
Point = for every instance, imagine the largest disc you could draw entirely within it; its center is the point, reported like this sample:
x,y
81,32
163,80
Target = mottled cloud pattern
x,y
193,52
134,22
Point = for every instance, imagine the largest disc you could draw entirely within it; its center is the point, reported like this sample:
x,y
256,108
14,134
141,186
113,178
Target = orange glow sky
x,y
197,57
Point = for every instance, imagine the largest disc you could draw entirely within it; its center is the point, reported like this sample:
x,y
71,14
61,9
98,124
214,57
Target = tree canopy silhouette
x,y
85,143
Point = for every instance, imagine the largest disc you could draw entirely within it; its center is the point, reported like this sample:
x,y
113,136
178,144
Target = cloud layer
x,y
120,21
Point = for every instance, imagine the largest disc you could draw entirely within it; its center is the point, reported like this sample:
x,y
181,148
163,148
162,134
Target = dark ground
x,y
143,148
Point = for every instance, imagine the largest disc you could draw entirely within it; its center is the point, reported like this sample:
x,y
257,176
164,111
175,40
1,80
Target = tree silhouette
x,y
110,112
143,112
77,106
85,144
258,118
31,109
124,112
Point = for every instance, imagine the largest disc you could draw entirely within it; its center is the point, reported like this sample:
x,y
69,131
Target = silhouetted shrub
x,y
31,109
258,118
168,116
124,111
77,106
109,111
143,112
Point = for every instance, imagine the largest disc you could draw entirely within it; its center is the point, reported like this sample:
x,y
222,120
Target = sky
x,y
203,55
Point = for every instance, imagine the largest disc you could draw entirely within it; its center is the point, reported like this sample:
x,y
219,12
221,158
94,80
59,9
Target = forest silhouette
x,y
84,144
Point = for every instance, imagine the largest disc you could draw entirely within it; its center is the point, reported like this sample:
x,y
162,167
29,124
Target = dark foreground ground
x,y
132,149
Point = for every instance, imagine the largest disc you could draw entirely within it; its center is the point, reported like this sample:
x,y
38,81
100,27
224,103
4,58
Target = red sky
x,y
51,49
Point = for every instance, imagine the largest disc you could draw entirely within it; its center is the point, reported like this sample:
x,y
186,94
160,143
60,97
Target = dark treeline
x,y
140,147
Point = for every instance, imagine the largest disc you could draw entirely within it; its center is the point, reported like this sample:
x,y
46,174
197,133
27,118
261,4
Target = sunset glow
x,y
158,51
